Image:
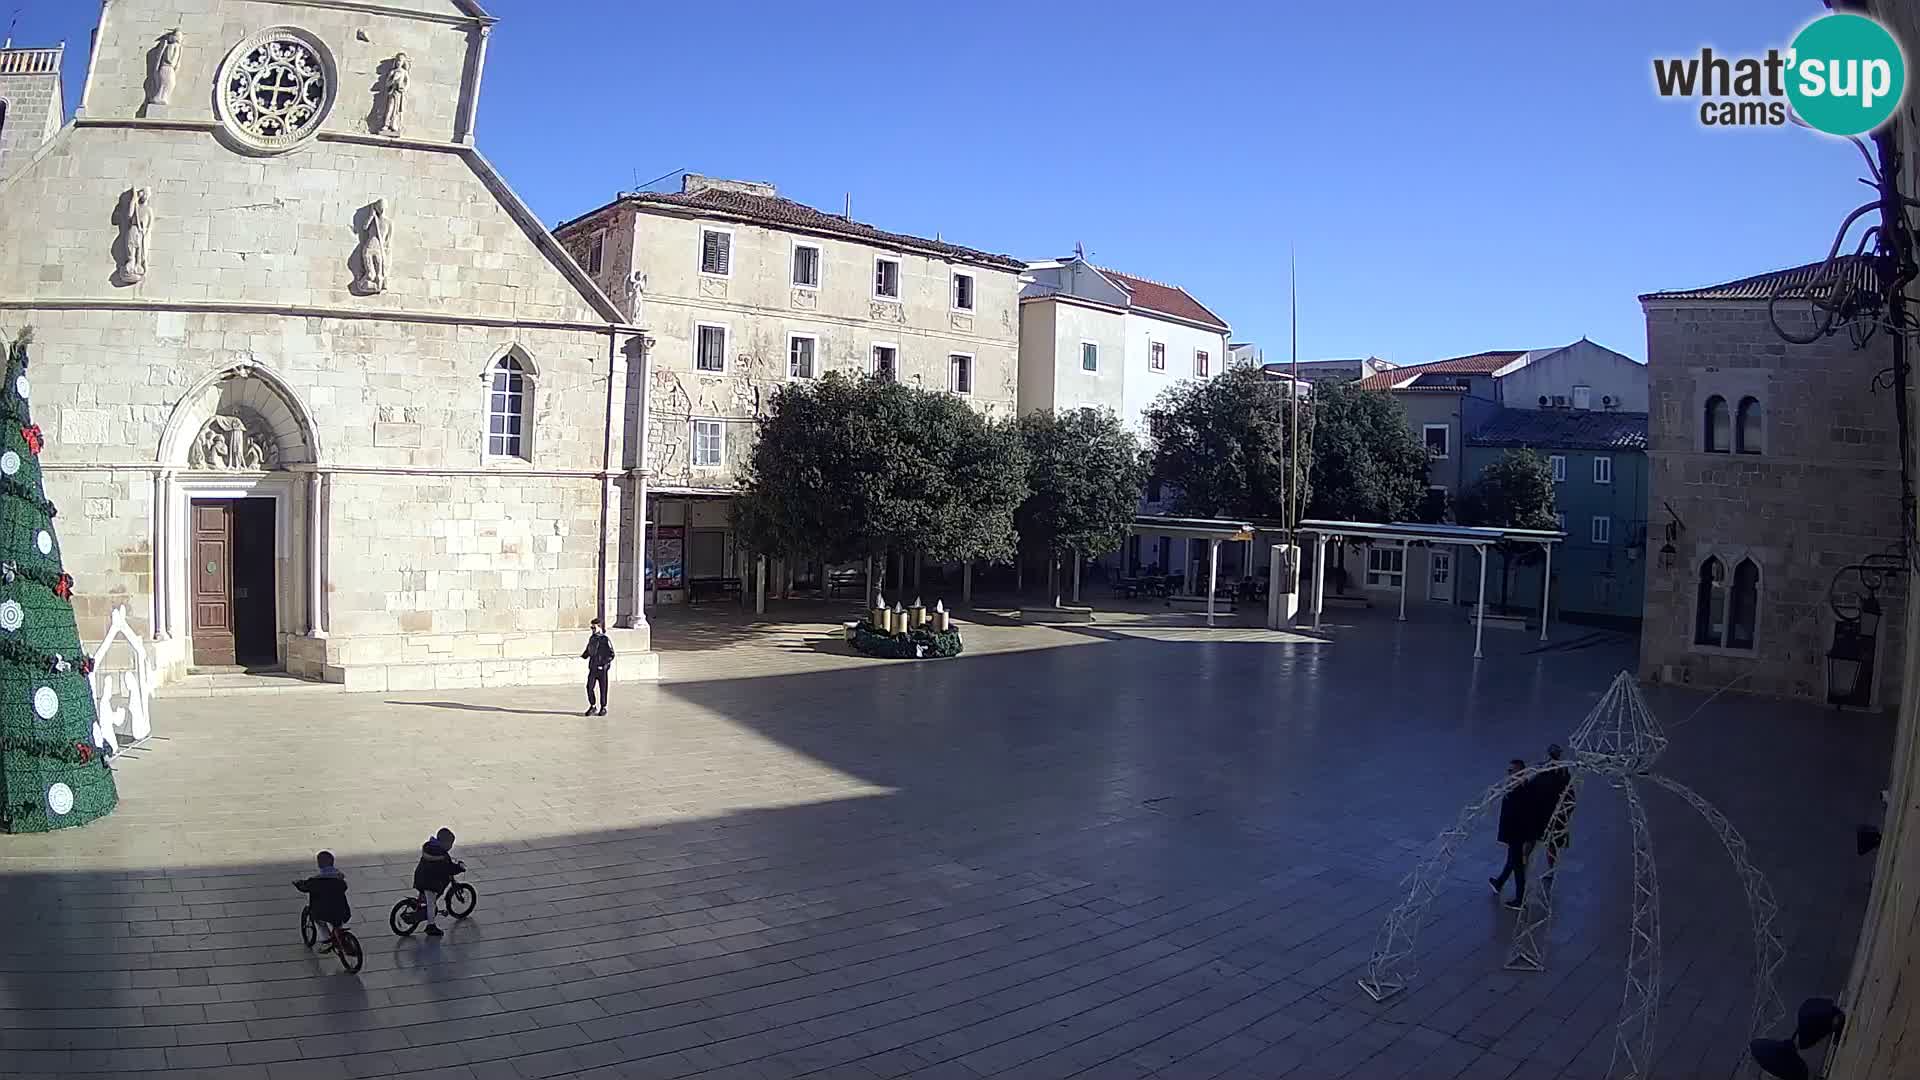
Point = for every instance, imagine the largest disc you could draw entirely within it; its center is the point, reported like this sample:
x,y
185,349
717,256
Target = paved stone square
x,y
1133,849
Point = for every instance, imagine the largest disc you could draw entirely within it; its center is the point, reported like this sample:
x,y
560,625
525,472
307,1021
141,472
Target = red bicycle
x,y
340,940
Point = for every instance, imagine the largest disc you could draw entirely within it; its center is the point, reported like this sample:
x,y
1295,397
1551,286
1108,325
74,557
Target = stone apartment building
x,y
744,291
32,103
318,390
1773,467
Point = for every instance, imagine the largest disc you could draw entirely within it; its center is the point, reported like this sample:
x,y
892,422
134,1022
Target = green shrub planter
x,y
912,645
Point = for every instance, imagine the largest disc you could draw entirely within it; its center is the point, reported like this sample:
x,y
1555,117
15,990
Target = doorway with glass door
x,y
1440,574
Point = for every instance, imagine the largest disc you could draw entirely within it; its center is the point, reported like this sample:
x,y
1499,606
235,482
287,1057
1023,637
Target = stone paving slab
x,y
1126,850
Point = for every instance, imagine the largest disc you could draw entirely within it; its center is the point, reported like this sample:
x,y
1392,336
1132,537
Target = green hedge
x,y
873,641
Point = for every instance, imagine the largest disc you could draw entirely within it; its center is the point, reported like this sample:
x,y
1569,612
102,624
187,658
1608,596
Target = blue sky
x,y
1454,178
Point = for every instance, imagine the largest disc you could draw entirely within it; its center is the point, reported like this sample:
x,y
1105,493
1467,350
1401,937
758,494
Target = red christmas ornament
x,y
63,588
86,752
86,665
31,433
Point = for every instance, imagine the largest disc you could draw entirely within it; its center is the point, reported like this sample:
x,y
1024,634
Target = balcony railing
x,y
31,61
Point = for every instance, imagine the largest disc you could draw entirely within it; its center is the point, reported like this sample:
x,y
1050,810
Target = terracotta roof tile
x,y
1485,363
1856,272
772,210
1165,299
1563,429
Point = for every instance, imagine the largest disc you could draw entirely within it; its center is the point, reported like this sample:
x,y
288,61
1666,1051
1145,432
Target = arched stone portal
x,y
238,529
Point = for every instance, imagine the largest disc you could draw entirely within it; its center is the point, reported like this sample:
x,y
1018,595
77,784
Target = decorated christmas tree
x,y
52,775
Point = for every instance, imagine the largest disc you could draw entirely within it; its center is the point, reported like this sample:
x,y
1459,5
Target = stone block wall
x,y
1823,493
33,109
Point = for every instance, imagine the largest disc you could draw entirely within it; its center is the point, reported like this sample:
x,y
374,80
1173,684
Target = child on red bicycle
x,y
435,871
327,897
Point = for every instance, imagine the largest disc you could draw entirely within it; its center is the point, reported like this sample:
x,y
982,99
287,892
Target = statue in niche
x,y
135,226
224,443
393,90
166,64
375,237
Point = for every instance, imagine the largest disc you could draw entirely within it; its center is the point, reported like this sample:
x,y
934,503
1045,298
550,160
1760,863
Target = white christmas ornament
x,y
9,463
44,542
11,616
46,702
60,800
20,384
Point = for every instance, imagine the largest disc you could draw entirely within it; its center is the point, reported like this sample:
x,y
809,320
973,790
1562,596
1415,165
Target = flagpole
x,y
1293,434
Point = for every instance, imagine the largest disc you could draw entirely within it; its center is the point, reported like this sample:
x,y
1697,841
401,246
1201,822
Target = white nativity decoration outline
x,y
134,685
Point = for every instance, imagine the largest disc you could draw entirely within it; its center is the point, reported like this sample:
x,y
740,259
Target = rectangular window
x,y
716,252
1603,470
1089,356
1583,397
709,443
960,373
886,278
596,252
1602,529
1437,438
1386,566
963,292
886,362
806,266
1157,356
709,347
1199,364
1559,464
800,356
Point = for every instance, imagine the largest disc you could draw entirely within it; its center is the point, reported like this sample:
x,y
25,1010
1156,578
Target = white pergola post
x,y
1480,604
1406,571
1213,575
1319,577
1546,590
966,583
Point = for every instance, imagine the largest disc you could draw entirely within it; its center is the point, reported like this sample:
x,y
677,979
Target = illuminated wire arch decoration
x,y
1618,743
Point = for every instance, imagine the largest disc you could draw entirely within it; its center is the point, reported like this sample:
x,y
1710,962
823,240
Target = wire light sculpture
x,y
1618,743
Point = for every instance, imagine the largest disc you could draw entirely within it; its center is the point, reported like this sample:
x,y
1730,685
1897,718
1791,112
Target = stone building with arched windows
x,y
319,390
1774,468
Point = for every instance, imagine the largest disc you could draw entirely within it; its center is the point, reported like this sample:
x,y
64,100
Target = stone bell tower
x,y
31,104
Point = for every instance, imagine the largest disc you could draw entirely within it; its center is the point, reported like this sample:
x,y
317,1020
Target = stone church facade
x,y
319,390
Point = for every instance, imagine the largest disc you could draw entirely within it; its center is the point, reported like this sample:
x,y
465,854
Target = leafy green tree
x,y
1367,463
851,468
1084,479
1515,492
1223,444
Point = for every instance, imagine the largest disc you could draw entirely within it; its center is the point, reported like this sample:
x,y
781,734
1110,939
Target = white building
x,y
1094,337
743,291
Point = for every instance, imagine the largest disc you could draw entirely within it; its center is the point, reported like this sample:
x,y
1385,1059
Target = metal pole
x,y
1480,604
760,585
1213,575
1076,577
1319,577
1405,572
1546,591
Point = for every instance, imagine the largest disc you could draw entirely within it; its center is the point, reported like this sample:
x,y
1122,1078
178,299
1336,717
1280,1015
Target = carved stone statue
x,y
134,229
374,251
165,69
225,443
393,88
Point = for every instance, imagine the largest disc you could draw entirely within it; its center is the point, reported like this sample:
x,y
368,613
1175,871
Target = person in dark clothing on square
x,y
1552,784
433,873
599,657
1519,829
326,897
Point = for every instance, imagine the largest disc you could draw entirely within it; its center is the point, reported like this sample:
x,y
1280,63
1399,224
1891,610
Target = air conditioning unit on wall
x,y
1559,401
1543,401
1607,401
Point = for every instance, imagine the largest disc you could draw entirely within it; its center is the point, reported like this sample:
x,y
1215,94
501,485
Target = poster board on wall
x,y
667,561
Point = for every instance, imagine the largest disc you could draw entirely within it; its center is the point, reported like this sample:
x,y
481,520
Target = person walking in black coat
x,y
1520,827
1553,783
599,657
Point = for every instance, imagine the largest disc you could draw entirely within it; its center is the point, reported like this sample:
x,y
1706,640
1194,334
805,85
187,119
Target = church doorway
x,y
232,596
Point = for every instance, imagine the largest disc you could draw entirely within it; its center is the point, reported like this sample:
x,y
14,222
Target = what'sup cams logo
x,y
1843,74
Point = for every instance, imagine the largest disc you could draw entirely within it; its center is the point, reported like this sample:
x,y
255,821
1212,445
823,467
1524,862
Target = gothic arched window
x,y
1746,432
1743,606
1710,605
509,408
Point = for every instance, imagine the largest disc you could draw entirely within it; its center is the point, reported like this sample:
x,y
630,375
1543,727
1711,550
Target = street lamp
x,y
1850,660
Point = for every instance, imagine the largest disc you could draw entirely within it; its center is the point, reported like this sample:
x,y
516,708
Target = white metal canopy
x,y
1212,530
1405,533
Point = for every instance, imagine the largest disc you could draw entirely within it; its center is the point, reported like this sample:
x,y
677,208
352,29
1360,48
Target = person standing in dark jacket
x,y
1555,815
1519,829
599,657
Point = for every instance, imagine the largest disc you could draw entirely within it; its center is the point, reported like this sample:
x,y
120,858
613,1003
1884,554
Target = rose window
x,y
275,89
